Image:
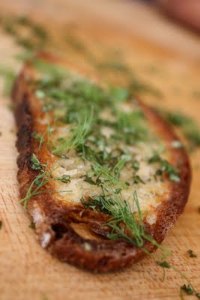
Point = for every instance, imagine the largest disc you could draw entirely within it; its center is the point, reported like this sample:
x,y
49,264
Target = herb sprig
x,y
107,176
38,137
132,229
165,167
191,253
8,76
26,33
188,289
77,138
186,124
35,188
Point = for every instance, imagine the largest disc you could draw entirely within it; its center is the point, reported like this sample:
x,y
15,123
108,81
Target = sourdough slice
x,y
68,229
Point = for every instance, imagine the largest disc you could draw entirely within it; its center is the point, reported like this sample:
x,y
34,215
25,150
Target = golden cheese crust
x,y
71,232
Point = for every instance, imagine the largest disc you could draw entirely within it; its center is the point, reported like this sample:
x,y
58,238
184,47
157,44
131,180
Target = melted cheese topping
x,y
150,193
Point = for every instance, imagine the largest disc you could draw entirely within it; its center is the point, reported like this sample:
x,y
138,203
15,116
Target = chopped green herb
x,y
38,137
107,176
135,165
8,76
119,94
26,33
131,127
155,158
163,264
99,203
35,188
188,126
120,212
188,289
64,178
35,163
136,87
32,225
137,179
165,167
193,136
177,118
77,138
191,253
89,180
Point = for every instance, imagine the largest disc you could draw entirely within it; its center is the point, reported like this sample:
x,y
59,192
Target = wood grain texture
x,y
26,270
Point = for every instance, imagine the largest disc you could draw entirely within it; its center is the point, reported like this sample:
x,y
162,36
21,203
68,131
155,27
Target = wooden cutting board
x,y
165,56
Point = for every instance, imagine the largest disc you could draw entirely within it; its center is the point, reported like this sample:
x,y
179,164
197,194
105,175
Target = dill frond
x,y
64,178
123,223
120,165
8,76
52,74
35,163
38,137
165,167
40,180
133,231
108,176
131,127
186,124
78,137
35,188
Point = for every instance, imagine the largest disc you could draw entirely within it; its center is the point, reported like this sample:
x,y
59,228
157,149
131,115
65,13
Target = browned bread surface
x,y
70,231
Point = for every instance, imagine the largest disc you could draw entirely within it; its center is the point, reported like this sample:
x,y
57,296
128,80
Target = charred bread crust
x,y
55,230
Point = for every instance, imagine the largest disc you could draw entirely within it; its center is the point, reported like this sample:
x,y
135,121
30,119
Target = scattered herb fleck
x,y
64,178
8,76
137,179
191,253
163,264
120,212
38,137
165,167
77,138
35,163
188,289
35,188
32,225
26,33
188,126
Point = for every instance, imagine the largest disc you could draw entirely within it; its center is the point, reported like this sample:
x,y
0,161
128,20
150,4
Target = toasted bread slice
x,y
79,142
